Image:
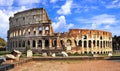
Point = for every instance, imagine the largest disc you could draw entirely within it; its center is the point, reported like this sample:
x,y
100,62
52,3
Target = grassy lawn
x,y
4,53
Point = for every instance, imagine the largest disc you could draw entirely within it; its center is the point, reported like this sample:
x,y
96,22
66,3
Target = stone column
x,y
82,46
36,44
50,43
58,46
30,43
43,44
92,51
43,30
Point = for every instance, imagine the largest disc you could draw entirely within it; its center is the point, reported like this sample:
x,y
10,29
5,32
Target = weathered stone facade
x,y
34,28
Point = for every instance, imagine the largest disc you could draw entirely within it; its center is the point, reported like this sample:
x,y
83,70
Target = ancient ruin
x,y
33,27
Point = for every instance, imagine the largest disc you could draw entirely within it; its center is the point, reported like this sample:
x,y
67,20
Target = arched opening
x,y
89,44
54,44
69,42
40,30
101,44
97,52
98,43
100,37
104,44
23,44
33,44
40,43
85,44
84,37
19,43
75,42
93,43
16,43
46,43
28,43
80,43
62,42
47,30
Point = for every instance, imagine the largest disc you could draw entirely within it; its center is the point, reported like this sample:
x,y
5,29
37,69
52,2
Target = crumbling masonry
x,y
34,28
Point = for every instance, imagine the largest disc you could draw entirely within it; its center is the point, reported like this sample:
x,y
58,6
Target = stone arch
x,y
19,43
24,31
84,37
100,37
98,53
23,43
34,31
94,43
46,28
62,42
98,43
28,43
54,43
39,43
40,30
46,43
89,43
85,44
16,44
104,44
69,42
33,43
101,44
80,43
28,31
75,43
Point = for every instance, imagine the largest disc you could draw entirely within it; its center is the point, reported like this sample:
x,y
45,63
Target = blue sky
x,y
66,14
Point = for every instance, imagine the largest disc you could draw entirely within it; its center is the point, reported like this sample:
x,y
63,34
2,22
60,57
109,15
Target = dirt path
x,y
98,65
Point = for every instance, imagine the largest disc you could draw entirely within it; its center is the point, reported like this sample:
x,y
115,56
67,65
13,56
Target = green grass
x,y
116,54
4,53
37,55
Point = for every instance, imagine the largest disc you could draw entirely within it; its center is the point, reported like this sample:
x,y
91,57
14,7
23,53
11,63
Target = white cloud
x,y
53,1
4,20
66,8
113,4
6,2
103,19
61,25
27,2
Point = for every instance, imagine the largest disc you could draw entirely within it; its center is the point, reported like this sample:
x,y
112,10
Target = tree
x,y
2,42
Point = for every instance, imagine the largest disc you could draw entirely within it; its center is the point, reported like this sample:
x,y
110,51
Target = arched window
x,y
89,44
33,44
40,28
101,44
94,43
85,44
98,43
100,37
40,43
84,37
80,43
69,42
62,42
54,43
75,42
47,28
46,43
23,44
104,44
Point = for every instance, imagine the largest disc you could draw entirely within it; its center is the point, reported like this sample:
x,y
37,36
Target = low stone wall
x,y
69,58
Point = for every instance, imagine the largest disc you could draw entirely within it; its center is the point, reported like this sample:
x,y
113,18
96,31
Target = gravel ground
x,y
93,65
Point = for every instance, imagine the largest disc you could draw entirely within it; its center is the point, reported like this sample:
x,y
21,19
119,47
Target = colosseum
x,y
33,27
